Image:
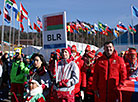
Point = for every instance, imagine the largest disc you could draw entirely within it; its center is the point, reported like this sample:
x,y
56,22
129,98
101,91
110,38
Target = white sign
x,y
54,30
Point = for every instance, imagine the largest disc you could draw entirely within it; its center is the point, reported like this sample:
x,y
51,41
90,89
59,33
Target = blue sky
x,y
108,12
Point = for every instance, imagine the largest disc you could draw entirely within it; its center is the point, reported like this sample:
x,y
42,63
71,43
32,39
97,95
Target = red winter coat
x,y
109,75
79,62
89,79
130,66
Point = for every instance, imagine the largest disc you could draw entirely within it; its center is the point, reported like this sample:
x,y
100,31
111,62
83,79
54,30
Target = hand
x,y
97,93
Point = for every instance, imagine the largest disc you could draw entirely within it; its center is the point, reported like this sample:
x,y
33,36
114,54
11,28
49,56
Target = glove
x,y
82,95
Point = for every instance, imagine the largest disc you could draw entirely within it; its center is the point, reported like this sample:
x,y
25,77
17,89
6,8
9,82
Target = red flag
x,y
36,28
21,26
23,11
39,22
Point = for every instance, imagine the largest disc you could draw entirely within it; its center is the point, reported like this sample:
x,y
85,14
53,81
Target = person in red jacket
x,y
88,72
109,75
131,62
76,57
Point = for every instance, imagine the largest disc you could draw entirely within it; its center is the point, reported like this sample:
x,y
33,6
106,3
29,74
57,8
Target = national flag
x,y
19,17
108,29
6,15
82,26
23,11
69,29
134,11
121,26
116,32
55,22
93,30
131,29
36,28
73,26
87,27
29,24
39,22
14,8
96,27
9,3
102,26
21,26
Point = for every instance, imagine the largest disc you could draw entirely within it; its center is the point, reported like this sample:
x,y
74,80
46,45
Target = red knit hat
x,y
58,50
132,51
74,48
68,49
99,54
88,48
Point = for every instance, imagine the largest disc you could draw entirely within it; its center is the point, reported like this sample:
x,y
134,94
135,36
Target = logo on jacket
x,y
114,62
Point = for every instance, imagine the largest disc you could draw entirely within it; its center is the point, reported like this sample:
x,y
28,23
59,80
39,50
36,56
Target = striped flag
x,y
134,11
21,26
29,24
131,29
9,3
39,22
121,26
23,11
55,22
6,15
36,28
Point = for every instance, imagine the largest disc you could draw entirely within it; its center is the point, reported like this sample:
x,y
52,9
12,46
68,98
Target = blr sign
x,y
54,30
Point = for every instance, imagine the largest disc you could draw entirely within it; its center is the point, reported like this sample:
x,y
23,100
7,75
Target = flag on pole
x,y
131,29
121,26
134,11
96,27
116,32
14,8
23,11
108,29
6,15
29,24
39,22
102,26
36,28
21,26
9,3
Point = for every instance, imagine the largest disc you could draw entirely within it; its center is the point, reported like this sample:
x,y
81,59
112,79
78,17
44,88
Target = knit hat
x,y
88,48
36,79
132,50
99,54
93,51
58,50
74,48
68,49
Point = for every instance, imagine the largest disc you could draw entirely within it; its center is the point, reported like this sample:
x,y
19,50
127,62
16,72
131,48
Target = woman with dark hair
x,y
40,68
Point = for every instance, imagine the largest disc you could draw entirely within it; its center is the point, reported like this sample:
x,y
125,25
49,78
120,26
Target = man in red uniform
x,y
109,75
131,63
76,57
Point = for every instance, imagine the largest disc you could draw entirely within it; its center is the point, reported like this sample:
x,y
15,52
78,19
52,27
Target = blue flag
x,y
135,11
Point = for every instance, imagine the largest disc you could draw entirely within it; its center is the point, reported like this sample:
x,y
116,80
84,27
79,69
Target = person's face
x,y
37,62
32,85
132,57
28,60
65,54
109,49
6,55
73,53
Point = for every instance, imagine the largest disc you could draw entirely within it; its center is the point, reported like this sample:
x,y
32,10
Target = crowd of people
x,y
68,76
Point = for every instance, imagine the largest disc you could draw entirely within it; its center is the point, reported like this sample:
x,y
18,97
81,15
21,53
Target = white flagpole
x,y
19,28
132,24
27,36
2,37
13,32
10,33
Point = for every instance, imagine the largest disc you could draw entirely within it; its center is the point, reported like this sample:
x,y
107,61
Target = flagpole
x,y
2,37
19,27
27,37
13,32
10,33
132,25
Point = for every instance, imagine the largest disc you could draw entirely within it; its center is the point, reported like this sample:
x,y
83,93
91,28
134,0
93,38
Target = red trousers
x,y
18,89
